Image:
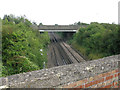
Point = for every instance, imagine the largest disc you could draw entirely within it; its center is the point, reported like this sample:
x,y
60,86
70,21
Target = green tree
x,y
21,46
98,40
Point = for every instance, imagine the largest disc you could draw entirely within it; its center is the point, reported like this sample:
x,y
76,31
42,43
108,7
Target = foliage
x,y
40,24
97,40
80,23
56,24
21,46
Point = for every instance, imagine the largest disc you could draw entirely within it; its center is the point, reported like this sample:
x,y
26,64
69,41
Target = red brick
x,y
99,85
115,86
109,81
106,74
81,82
108,86
94,86
115,83
81,86
98,76
101,80
116,75
94,82
91,83
87,85
70,85
109,77
98,81
104,83
116,70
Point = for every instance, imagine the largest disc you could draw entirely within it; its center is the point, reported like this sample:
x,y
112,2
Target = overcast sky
x,y
62,12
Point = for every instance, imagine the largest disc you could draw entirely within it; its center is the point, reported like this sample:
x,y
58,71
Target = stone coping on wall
x,y
61,75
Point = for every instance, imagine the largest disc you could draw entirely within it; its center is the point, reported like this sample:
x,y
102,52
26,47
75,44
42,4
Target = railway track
x,y
76,56
61,53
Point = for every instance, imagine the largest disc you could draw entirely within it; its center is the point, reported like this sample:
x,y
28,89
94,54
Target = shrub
x,y
97,40
21,46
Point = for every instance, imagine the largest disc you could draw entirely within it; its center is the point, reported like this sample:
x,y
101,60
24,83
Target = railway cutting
x,y
60,53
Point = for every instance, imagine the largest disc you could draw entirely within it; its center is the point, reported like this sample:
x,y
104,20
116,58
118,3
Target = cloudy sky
x,y
62,12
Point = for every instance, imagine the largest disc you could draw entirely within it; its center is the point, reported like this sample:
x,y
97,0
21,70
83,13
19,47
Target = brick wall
x,y
104,80
101,73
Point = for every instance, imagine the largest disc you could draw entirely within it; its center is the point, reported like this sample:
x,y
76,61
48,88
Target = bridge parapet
x,y
60,27
74,75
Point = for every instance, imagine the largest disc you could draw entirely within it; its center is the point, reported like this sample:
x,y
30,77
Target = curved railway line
x,y
61,53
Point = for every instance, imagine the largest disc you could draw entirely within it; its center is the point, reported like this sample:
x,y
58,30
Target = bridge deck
x,y
60,27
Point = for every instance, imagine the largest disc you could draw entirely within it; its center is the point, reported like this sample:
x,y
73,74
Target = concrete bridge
x,y
59,28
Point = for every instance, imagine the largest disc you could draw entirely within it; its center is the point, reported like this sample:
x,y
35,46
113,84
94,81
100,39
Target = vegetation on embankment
x,y
97,40
66,35
23,47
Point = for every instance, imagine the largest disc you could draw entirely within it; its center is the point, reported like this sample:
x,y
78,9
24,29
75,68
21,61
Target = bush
x,y
97,40
21,46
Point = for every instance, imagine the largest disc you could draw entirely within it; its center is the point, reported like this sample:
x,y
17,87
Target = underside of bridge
x,y
58,30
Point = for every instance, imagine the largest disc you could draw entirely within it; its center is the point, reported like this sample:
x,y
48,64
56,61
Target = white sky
x,y
62,12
